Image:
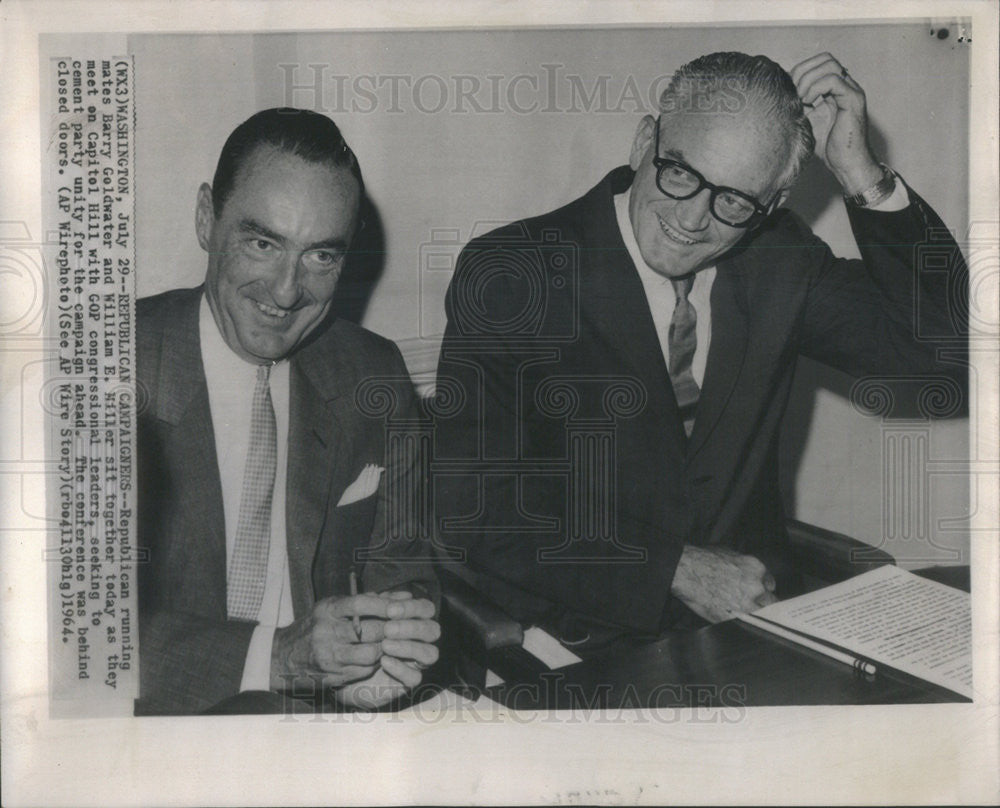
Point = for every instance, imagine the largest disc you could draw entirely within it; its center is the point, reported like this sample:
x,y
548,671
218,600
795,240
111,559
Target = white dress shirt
x,y
661,299
660,296
231,381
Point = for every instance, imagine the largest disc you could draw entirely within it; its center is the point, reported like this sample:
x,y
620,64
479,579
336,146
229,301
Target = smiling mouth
x,y
674,235
271,311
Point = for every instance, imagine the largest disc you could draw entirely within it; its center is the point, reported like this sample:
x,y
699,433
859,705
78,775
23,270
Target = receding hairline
x,y
254,155
721,78
310,135
775,136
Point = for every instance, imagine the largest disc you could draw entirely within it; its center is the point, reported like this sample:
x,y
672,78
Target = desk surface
x,y
728,664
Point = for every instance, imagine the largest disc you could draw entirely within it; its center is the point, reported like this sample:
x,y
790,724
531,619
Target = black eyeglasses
x,y
679,181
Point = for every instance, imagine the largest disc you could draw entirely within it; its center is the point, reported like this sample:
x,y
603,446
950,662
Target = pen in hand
x,y
356,620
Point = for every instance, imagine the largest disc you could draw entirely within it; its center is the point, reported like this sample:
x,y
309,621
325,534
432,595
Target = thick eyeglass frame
x,y
661,164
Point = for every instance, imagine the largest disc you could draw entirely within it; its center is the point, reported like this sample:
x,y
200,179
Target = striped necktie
x,y
248,565
681,342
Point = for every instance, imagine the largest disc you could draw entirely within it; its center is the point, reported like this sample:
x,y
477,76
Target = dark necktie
x,y
248,565
681,342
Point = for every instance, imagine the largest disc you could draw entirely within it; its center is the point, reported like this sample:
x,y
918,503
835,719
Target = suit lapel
x,y
182,403
621,319
319,444
319,447
730,332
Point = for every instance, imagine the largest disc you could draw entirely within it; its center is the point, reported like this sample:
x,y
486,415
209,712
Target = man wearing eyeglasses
x,y
625,361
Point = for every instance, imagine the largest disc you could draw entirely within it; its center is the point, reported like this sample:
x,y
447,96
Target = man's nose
x,y
695,213
286,285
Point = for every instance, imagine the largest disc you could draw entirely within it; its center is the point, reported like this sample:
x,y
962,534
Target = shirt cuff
x,y
257,668
897,200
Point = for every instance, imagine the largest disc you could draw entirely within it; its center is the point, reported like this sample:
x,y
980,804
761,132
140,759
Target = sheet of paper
x,y
548,649
894,617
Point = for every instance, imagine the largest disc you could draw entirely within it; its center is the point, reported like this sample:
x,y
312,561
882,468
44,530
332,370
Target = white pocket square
x,y
364,486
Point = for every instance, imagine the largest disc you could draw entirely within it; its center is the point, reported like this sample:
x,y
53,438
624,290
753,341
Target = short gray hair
x,y
731,82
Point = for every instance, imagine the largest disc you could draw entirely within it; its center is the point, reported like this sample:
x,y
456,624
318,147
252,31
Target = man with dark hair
x,y
624,362
302,133
266,487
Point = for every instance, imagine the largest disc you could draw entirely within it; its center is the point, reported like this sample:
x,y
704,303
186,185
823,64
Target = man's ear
x,y
779,200
782,196
642,140
204,216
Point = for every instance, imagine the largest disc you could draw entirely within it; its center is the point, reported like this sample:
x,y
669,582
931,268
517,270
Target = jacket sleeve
x,y
902,310
189,663
399,555
494,520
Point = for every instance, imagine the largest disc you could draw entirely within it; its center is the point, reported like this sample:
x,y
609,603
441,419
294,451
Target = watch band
x,y
879,192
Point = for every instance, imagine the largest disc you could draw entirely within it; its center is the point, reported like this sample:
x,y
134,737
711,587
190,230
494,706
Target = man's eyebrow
x,y
256,228
329,244
678,155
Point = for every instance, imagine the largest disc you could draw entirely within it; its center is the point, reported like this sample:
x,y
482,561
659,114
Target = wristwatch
x,y
879,192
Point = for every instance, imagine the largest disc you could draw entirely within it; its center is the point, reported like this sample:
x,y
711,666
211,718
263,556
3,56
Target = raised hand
x,y
838,112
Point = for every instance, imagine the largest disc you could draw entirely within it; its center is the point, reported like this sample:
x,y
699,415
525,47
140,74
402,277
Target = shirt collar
x,y
221,361
628,236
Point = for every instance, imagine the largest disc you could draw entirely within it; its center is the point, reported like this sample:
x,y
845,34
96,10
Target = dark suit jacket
x,y
192,656
552,345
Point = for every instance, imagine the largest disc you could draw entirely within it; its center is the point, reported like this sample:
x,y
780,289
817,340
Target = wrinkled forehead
x,y
747,150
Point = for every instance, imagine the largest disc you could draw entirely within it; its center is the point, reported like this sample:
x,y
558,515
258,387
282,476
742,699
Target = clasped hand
x,y
717,583
396,642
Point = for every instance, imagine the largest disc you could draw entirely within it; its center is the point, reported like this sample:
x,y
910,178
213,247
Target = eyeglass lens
x,y
677,181
680,182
